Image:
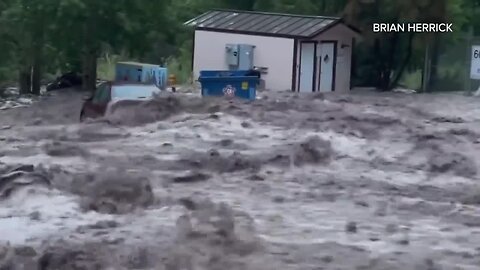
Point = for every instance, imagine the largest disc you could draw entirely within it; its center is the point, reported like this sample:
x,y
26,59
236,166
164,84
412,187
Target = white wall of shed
x,y
272,52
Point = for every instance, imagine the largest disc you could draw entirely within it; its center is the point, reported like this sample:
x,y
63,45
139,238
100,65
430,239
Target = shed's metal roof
x,y
263,23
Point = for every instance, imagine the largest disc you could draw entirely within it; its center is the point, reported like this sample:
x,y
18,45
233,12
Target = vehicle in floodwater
x,y
108,94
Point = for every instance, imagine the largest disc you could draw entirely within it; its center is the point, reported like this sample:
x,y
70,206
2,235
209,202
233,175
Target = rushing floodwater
x,y
353,182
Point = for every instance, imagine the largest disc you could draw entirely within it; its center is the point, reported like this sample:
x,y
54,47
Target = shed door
x,y
307,61
327,65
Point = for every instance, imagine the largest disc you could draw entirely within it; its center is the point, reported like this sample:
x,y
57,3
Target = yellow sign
x,y
244,85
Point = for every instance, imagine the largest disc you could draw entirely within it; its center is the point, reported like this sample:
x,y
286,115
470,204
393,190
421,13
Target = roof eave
x,y
249,33
273,13
357,32
353,28
187,23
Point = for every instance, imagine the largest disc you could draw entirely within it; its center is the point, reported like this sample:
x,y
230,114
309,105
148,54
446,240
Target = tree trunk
x,y
89,74
434,56
387,64
37,56
24,80
36,78
379,62
36,71
426,68
405,62
89,57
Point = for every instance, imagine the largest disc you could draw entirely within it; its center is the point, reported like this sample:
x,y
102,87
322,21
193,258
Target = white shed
x,y
301,53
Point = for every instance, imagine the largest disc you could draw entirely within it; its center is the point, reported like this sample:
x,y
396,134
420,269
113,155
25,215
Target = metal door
x,y
307,61
327,65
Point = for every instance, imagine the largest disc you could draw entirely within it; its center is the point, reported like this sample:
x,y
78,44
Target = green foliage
x,y
181,65
392,53
58,34
106,65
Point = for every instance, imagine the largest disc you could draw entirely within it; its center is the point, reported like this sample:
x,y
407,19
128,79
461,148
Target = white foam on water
x,y
45,160
59,214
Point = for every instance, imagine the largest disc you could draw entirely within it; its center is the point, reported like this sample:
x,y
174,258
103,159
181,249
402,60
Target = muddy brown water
x,y
359,181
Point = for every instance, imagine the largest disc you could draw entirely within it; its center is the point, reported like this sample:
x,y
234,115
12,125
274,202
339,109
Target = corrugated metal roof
x,y
263,23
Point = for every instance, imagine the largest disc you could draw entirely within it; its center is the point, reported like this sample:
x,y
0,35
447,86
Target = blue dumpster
x,y
238,83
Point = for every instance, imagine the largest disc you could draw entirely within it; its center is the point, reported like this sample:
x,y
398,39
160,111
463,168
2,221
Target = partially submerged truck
x,y
134,83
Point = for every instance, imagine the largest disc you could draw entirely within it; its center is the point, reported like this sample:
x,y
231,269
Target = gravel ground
x,y
360,181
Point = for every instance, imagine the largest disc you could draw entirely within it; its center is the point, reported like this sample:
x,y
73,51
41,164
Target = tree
x,y
86,27
25,25
69,35
390,58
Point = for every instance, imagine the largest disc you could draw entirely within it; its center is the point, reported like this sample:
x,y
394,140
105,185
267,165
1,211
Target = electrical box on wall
x,y
245,61
239,56
231,51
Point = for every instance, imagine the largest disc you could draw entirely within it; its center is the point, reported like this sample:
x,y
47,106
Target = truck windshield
x,y
134,91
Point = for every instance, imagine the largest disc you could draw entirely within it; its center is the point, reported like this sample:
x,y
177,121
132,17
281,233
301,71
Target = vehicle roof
x,y
132,63
127,83
134,84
